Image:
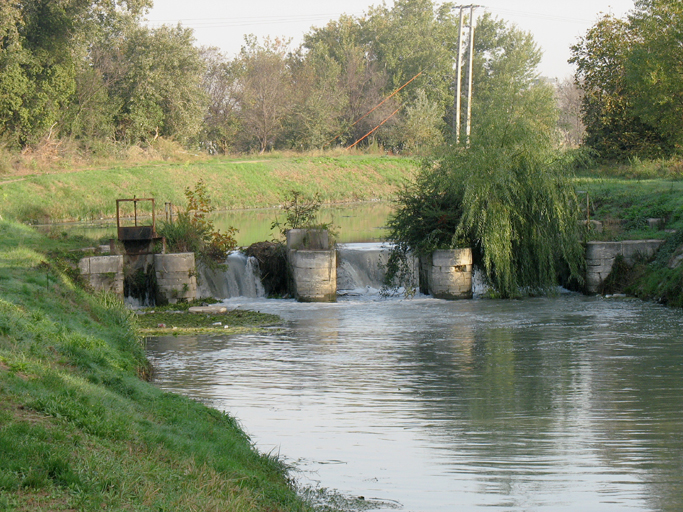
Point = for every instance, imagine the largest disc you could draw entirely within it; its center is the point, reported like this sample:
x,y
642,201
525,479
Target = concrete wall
x,y
103,273
176,277
600,258
447,274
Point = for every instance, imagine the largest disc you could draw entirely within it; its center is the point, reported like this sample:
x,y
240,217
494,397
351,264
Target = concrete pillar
x,y
176,277
310,239
103,273
600,258
447,274
312,265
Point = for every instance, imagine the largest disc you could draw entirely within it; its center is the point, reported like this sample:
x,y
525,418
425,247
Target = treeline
x,y
631,72
90,71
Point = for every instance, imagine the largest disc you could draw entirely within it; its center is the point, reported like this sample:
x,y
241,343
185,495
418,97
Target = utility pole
x,y
458,76
458,84
468,119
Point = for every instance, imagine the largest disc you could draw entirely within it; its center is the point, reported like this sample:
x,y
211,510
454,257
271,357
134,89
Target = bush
x,y
192,231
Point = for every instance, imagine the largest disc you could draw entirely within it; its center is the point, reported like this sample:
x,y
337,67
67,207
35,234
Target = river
x,y
353,222
545,404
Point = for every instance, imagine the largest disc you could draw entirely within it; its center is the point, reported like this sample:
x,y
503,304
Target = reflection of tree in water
x,y
638,402
543,392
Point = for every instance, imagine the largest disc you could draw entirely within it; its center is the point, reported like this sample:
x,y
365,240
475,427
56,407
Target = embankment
x,y
255,182
81,429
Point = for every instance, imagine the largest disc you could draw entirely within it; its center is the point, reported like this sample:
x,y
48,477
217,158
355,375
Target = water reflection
x,y
543,404
355,222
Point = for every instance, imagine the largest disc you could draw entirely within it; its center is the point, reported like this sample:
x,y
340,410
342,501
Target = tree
x,y
361,85
160,91
42,44
655,67
422,127
569,100
318,100
381,51
222,86
508,192
265,92
415,36
630,70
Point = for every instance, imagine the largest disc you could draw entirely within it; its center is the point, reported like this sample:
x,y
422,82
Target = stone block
x,y
106,264
312,259
452,257
447,274
633,249
311,239
180,262
600,258
655,223
208,310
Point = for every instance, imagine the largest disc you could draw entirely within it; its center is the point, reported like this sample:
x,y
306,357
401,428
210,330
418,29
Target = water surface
x,y
567,403
353,222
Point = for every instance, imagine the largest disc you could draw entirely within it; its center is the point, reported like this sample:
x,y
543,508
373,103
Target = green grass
x,y
80,428
233,183
625,205
624,197
181,322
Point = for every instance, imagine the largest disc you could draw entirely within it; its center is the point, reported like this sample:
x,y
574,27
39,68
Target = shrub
x,y
192,231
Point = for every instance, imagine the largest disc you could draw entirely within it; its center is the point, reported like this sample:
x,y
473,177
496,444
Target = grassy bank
x,y
90,194
80,428
624,198
625,205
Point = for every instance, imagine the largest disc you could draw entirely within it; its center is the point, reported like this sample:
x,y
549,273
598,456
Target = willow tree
x,y
508,193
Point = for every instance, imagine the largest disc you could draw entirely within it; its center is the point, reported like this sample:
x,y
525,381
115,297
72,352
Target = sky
x,y
555,25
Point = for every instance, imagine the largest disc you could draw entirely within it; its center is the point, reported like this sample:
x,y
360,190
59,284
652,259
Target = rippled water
x,y
567,403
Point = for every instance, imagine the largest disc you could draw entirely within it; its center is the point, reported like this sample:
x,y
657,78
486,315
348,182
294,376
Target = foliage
x,y
221,123
91,73
655,67
509,192
301,213
629,70
265,92
159,92
193,231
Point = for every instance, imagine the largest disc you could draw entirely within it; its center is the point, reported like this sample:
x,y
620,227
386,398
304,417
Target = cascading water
x,y
240,279
360,271
361,267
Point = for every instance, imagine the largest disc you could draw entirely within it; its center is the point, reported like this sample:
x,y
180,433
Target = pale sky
x,y
555,25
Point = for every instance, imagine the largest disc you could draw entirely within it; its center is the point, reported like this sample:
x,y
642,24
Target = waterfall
x,y
360,271
361,267
241,279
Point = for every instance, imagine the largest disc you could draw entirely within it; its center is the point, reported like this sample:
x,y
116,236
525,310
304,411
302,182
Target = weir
x,y
361,268
240,279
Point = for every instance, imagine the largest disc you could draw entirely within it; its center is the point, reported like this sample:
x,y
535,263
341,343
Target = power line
x,y
539,15
246,21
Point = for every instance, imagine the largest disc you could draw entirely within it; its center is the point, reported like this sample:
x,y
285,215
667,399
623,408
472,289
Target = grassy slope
x,y
633,194
633,202
79,428
255,182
